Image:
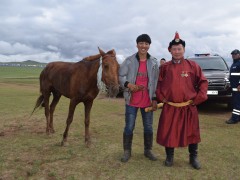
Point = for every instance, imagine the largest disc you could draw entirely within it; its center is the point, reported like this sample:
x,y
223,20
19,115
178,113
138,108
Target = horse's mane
x,y
93,57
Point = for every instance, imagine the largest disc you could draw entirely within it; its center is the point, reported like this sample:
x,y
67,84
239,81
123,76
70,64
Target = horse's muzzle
x,y
113,91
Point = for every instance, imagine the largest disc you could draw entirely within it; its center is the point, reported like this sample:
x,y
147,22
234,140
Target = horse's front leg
x,y
88,107
72,107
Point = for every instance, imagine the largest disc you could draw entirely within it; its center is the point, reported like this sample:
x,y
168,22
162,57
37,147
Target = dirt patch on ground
x,y
19,86
10,130
17,126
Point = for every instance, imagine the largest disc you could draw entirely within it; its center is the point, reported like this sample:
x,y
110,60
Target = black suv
x,y
216,71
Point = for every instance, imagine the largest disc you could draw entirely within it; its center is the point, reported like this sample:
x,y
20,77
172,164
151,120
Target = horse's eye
x,y
105,67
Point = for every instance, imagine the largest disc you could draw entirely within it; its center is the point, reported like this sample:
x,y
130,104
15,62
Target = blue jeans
x,y
130,118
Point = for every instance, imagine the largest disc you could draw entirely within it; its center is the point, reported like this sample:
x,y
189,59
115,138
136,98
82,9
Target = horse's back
x,y
55,74
69,79
53,67
58,68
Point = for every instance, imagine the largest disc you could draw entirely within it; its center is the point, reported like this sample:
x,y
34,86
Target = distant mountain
x,y
32,62
24,63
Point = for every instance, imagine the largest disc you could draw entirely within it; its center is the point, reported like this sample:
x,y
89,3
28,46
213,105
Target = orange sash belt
x,y
160,105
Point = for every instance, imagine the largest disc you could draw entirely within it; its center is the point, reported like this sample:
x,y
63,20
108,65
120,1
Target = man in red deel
x,y
181,86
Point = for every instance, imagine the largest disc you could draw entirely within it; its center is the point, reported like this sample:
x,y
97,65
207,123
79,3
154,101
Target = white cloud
x,y
16,48
39,57
53,48
69,30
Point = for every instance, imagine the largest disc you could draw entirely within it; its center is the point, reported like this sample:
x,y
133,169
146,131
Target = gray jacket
x,y
128,73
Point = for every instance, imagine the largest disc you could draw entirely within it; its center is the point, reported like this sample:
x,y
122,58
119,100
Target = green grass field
x,y
24,75
28,153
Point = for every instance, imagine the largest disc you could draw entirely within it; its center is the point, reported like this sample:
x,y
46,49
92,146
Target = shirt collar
x,y
137,56
177,61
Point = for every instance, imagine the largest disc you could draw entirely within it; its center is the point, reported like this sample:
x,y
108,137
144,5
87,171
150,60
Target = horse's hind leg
x,y
72,107
46,104
88,107
55,100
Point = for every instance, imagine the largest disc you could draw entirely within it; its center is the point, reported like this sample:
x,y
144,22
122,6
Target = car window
x,y
211,63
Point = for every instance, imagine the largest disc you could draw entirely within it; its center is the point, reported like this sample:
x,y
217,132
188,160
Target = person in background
x,y
162,61
138,76
235,84
181,87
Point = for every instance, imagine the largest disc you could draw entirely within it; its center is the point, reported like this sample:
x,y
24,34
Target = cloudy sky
x,y
68,30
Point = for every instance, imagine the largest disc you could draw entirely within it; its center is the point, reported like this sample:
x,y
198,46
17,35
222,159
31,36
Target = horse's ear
x,y
113,52
101,52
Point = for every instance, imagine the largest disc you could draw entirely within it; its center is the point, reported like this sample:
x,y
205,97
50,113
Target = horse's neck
x,y
94,61
95,66
91,58
92,67
95,69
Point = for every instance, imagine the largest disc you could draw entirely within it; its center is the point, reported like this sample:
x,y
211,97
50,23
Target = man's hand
x,y
154,105
134,87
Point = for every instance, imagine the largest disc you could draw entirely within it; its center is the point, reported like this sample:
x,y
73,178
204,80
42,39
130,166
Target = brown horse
x,y
78,82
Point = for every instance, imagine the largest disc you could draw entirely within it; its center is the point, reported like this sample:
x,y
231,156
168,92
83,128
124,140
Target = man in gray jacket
x,y
138,77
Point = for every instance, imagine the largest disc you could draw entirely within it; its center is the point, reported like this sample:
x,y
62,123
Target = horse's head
x,y
110,69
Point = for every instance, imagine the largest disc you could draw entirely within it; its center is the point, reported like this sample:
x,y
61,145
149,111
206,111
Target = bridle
x,y
101,85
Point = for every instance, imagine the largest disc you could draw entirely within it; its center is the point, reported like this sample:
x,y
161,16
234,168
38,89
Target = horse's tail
x,y
40,102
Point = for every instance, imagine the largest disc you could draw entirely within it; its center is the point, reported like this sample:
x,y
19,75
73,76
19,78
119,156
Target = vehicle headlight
x,y
226,77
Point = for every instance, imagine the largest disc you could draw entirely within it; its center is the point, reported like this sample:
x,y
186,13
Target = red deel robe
x,y
179,126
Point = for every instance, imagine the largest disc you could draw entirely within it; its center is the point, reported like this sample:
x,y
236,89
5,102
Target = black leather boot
x,y
170,154
148,141
127,146
193,160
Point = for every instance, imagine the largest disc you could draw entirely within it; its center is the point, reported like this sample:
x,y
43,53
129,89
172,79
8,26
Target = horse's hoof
x,y
64,143
52,131
48,131
88,144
